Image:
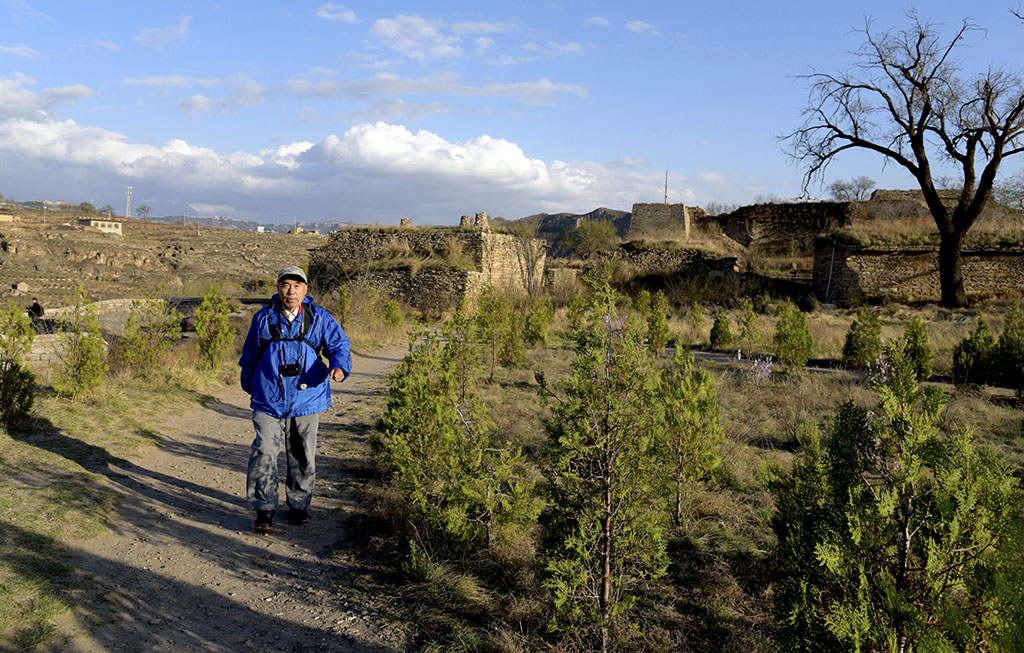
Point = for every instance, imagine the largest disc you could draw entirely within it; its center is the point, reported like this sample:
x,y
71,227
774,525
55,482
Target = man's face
x,y
291,292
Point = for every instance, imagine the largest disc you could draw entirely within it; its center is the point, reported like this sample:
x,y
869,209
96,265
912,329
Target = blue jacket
x,y
307,392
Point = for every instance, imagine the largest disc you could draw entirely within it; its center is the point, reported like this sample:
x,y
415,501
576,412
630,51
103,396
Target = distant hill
x,y
551,226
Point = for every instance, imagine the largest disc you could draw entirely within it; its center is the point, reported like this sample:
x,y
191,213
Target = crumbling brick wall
x,y
849,274
788,229
497,260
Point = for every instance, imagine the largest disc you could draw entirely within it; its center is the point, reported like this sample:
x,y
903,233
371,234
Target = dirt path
x,y
181,570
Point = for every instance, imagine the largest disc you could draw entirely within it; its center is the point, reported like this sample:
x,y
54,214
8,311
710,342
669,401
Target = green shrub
x,y
17,384
890,536
1010,350
538,319
863,340
918,349
658,333
150,333
343,306
695,320
460,485
972,357
693,430
393,314
82,365
497,325
721,336
216,337
793,342
750,331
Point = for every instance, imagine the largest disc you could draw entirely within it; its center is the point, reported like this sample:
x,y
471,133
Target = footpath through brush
x,y
181,570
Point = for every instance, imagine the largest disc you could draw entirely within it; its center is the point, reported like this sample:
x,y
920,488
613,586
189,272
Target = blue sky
x,y
371,112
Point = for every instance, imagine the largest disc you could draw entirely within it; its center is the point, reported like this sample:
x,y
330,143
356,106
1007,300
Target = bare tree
x,y
855,190
907,99
143,211
530,250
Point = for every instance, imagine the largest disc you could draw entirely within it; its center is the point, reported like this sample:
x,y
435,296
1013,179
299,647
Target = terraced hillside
x,y
49,260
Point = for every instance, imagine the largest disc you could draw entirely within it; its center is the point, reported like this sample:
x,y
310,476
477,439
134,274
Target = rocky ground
x,y
181,570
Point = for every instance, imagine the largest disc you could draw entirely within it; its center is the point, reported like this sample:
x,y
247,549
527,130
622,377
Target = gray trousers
x,y
297,436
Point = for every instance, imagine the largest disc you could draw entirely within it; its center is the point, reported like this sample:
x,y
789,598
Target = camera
x,y
290,369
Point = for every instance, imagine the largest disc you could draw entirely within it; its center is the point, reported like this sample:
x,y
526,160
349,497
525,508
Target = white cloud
x,y
640,27
384,85
247,94
171,81
195,104
375,171
308,114
395,110
69,93
626,162
553,49
20,50
483,43
107,45
331,11
158,37
712,177
19,101
483,27
416,37
598,21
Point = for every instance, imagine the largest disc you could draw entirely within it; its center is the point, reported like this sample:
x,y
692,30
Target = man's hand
x,y
337,374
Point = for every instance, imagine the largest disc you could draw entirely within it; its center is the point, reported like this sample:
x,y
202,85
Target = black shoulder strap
x,y
304,327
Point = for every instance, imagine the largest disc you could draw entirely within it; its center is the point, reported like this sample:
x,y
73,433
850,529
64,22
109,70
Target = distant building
x,y
261,229
106,226
7,217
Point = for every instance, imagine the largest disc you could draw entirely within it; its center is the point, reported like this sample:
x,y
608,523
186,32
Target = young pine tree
x,y
793,342
82,366
863,340
721,336
972,357
918,349
216,337
459,484
750,331
695,320
1010,351
539,312
150,333
889,538
17,384
606,479
658,333
693,431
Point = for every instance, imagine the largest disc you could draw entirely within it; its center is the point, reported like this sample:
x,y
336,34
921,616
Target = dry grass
x,y
996,226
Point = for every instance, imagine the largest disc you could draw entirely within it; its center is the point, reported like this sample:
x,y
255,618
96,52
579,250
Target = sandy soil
x,y
181,570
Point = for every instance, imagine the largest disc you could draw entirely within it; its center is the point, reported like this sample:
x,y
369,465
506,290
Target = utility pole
x,y
666,187
127,201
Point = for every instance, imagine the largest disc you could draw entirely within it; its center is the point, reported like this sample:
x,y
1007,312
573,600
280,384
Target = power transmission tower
x,y
127,201
666,187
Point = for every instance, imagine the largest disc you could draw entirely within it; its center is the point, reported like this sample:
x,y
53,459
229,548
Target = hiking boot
x,y
264,523
298,516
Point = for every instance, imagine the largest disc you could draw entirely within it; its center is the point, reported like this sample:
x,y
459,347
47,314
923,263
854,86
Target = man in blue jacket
x,y
290,386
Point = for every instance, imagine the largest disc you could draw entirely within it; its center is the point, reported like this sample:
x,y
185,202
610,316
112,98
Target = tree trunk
x,y
606,567
951,276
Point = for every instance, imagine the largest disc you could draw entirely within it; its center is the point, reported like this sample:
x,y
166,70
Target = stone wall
x,y
848,274
657,261
788,229
649,220
496,260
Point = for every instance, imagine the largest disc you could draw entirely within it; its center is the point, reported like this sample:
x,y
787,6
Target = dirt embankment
x,y
50,259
